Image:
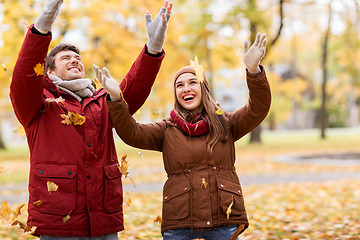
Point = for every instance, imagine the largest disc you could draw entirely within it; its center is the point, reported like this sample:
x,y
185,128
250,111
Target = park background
x,y
313,66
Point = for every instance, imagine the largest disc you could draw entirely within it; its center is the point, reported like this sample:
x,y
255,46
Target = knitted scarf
x,y
198,126
78,88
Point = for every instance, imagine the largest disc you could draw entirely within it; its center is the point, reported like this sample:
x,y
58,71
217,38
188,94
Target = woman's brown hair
x,y
218,123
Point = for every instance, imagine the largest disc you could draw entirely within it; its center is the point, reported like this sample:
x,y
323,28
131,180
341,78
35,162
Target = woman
x,y
202,197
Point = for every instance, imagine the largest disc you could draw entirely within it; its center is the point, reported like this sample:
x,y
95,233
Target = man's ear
x,y
49,72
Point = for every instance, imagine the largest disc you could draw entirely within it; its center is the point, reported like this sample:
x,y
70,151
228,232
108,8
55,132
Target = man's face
x,y
68,66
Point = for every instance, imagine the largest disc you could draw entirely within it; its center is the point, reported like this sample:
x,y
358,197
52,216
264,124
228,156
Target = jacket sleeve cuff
x,y
259,77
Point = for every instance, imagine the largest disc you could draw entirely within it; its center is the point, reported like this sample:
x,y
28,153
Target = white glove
x,y
48,15
252,57
107,82
156,29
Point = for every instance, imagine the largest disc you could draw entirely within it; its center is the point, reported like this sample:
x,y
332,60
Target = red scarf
x,y
199,127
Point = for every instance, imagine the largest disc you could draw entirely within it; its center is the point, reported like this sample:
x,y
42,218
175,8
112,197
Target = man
x,y
75,189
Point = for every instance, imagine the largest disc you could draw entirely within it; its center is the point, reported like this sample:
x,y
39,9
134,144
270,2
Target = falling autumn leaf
x,y
72,118
158,219
19,130
56,100
23,226
39,69
127,199
219,112
124,166
51,186
203,183
228,210
17,212
199,71
38,203
67,217
4,66
5,211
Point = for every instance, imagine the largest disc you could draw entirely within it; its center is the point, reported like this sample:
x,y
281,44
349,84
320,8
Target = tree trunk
x,y
255,135
323,110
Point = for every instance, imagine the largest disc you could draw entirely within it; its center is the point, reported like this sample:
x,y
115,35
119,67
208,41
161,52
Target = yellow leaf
x,y
1,168
4,211
219,112
38,203
228,210
52,187
158,219
39,69
19,130
203,183
72,118
67,217
199,71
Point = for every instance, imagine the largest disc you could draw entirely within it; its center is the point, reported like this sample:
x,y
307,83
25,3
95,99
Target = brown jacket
x,y
201,184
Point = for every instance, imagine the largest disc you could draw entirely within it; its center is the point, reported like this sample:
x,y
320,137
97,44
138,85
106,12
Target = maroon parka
x,y
80,159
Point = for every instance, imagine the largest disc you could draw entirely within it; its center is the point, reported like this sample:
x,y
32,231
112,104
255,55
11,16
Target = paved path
x,y
17,193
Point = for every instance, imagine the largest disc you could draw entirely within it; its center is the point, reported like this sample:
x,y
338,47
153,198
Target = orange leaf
x,y
124,166
39,69
158,219
17,212
5,211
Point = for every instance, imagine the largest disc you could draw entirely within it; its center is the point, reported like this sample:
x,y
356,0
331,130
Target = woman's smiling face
x,y
188,92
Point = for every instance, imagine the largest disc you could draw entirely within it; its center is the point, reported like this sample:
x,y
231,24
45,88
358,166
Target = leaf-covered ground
x,y
327,210
294,211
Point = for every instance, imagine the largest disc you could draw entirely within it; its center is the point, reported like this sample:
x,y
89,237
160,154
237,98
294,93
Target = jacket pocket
x,y
176,202
113,198
60,200
231,193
